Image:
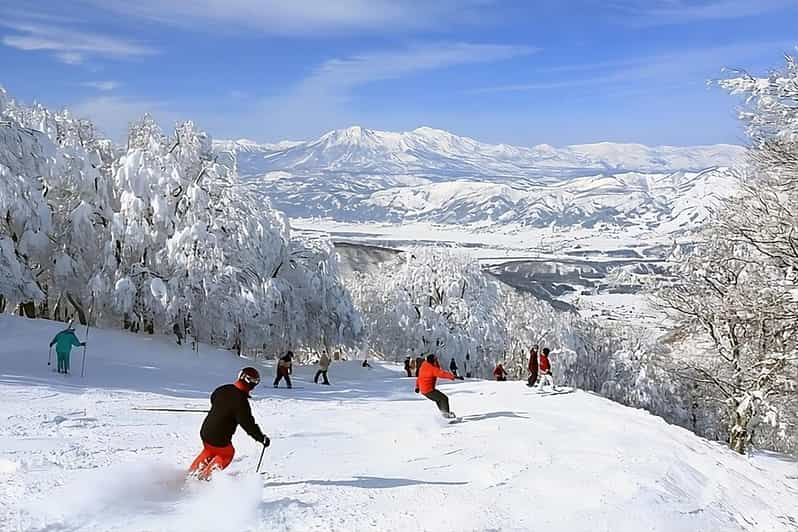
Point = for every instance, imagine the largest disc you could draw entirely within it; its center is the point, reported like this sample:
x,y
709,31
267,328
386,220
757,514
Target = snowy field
x,y
363,454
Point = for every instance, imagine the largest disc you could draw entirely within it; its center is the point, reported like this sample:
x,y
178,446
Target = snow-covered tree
x,y
156,235
733,300
430,301
24,216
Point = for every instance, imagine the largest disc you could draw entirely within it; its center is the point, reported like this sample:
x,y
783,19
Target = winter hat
x,y
431,358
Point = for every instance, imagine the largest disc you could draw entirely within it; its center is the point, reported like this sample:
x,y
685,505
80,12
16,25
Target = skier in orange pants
x,y
229,409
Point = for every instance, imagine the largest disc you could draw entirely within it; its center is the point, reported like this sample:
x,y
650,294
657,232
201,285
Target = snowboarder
x,y
229,409
285,367
324,365
408,369
545,368
453,367
533,366
500,373
63,342
425,384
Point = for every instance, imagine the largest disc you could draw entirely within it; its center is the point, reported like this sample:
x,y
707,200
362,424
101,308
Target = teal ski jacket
x,y
64,341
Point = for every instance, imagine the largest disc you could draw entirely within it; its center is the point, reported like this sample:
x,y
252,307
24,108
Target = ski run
x,y
364,453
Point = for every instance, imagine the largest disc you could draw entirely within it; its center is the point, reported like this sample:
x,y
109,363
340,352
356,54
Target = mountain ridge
x,y
431,175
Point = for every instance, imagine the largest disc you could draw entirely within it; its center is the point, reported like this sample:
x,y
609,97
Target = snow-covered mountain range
x,y
430,175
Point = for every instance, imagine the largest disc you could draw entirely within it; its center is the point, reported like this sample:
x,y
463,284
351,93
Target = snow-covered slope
x,y
364,454
429,175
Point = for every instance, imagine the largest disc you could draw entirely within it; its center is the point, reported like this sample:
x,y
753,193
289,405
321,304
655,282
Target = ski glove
x,y
460,378
83,344
266,441
416,389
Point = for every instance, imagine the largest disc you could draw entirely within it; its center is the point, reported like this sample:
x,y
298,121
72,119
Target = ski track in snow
x,y
363,454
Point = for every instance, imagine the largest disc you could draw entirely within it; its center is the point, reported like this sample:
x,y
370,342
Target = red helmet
x,y
250,377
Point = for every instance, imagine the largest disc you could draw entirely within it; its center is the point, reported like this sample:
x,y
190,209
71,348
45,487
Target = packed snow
x,y
365,453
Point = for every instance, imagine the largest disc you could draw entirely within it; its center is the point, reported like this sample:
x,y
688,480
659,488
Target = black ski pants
x,y
282,376
321,373
440,399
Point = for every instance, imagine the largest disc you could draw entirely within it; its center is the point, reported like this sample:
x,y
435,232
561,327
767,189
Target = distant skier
x,y
500,373
229,409
64,342
366,364
533,366
408,370
545,368
465,367
425,384
285,367
178,330
453,367
324,365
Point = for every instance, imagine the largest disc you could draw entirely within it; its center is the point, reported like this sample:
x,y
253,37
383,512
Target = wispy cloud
x,y
104,86
321,98
665,12
300,16
69,45
685,66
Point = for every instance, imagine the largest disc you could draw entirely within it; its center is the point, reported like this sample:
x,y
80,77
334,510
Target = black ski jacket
x,y
229,408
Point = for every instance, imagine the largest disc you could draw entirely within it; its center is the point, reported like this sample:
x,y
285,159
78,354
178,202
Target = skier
x,y
284,369
408,369
533,366
63,342
453,367
545,369
366,364
425,384
229,409
465,367
178,333
500,373
324,365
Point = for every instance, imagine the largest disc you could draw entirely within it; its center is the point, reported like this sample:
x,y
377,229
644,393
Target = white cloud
x,y
321,99
68,45
663,12
680,67
300,16
102,85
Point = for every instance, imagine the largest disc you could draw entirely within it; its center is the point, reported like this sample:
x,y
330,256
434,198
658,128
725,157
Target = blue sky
x,y
520,72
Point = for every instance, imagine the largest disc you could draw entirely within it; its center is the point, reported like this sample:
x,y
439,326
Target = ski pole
x,y
50,355
83,364
262,451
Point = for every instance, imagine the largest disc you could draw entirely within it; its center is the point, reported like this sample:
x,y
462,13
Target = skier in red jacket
x,y
500,373
545,368
428,375
229,409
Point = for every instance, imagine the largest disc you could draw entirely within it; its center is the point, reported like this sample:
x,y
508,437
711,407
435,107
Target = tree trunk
x,y
28,309
740,434
78,308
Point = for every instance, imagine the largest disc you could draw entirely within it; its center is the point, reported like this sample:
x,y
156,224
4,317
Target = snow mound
x,y
365,453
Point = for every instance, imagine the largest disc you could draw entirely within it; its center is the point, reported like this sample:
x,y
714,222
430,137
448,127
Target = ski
x,y
154,409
